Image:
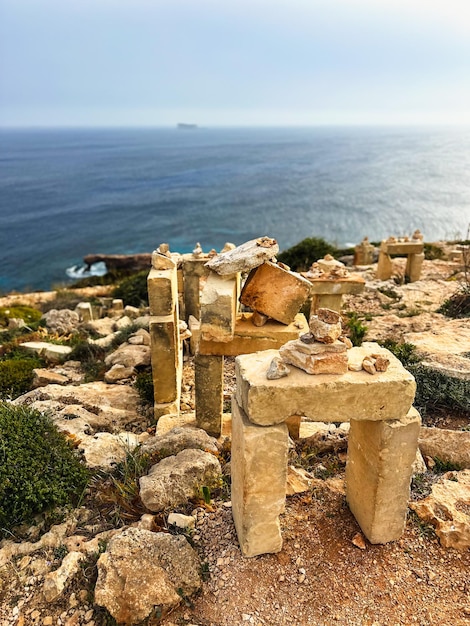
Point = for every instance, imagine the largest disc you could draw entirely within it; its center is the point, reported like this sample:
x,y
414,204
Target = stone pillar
x,y
209,391
259,476
326,301
219,307
384,266
414,263
378,474
85,311
193,270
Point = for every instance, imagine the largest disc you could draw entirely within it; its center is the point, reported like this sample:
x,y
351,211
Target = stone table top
x,y
352,284
324,397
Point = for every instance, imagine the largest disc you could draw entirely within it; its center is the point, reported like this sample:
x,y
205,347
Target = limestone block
x,y
275,292
452,446
447,508
352,284
328,301
404,247
259,476
163,291
314,362
244,258
55,582
209,384
178,439
378,474
414,264
84,311
218,308
384,266
165,357
49,351
248,338
193,270
43,376
129,355
327,398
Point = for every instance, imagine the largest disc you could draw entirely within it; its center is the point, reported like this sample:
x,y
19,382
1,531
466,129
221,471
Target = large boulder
x,y
129,355
104,450
177,478
178,439
448,509
141,570
451,446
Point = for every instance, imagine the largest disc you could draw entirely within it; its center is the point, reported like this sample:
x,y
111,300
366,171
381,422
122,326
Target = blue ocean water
x,y
68,193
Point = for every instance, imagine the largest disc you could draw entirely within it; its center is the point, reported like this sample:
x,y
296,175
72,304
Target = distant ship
x,y
182,126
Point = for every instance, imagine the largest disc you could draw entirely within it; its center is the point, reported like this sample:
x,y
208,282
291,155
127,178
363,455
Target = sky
x,y
234,62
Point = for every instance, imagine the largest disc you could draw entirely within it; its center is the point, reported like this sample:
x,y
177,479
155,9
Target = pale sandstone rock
x,y
244,258
277,369
259,475
325,332
84,311
368,365
166,359
309,345
275,292
118,372
104,342
44,377
452,446
123,322
177,478
178,439
381,363
315,362
104,326
163,291
218,308
140,338
49,351
354,395
129,356
448,509
181,521
131,311
141,569
298,480
55,582
105,450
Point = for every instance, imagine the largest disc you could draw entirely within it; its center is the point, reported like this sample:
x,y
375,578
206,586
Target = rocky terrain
x,y
143,546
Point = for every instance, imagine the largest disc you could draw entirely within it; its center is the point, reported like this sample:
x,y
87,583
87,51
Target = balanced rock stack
x,y
321,351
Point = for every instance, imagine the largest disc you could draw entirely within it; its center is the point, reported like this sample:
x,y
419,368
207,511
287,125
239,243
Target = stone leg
x,y
384,266
192,296
166,362
209,382
259,475
414,263
326,301
378,474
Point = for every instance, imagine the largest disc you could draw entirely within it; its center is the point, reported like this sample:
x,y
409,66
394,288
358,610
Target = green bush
x,y
436,389
133,290
458,305
356,329
301,256
433,252
16,376
405,352
144,385
38,469
26,313
91,359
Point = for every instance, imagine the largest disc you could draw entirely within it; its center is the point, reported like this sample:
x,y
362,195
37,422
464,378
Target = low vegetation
x,y
133,290
39,469
301,256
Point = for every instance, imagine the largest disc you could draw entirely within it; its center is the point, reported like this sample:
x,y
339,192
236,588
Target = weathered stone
x,y
298,480
55,582
129,356
105,450
61,321
44,377
218,308
178,439
323,331
140,338
244,258
163,291
162,262
275,292
141,570
122,322
49,351
328,316
104,326
381,363
259,474
450,446
259,319
249,338
448,509
181,521
166,359
378,474
354,395
315,362
84,311
316,347
193,270
131,311
177,478
368,365
328,263
118,372
277,369
209,385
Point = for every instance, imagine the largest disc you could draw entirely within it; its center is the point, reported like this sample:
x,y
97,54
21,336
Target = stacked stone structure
x,y
412,248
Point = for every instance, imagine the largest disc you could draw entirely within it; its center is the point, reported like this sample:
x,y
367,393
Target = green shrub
x,y
356,329
91,359
405,352
437,389
144,385
133,290
458,305
16,376
38,469
26,313
433,252
301,256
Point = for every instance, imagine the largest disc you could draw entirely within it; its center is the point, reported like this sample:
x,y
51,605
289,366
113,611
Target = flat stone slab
x,y
249,338
336,286
50,351
326,398
402,247
244,258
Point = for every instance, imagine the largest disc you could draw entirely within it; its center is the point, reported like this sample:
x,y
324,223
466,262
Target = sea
x,y
66,193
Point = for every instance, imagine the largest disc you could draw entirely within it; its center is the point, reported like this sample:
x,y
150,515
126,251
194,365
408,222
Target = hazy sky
x,y
234,62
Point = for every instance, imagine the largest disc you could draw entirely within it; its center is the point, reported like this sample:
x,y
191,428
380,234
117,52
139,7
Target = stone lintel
x,y
327,397
259,476
195,266
163,291
338,286
248,338
275,292
219,307
378,474
402,247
